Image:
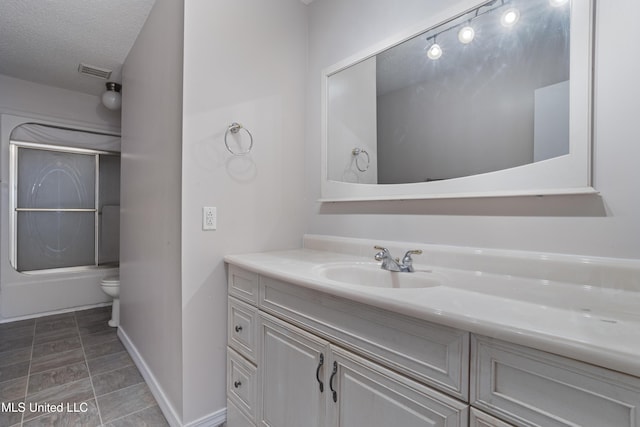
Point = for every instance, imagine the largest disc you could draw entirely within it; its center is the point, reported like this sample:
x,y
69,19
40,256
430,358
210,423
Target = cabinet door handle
x,y
333,374
318,372
238,328
237,384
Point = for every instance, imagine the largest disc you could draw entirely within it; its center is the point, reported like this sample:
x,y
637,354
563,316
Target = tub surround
x,y
584,308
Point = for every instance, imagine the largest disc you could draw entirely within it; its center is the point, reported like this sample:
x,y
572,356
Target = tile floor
x,y
73,359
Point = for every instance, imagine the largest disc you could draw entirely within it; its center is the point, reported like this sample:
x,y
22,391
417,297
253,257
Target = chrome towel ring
x,y
234,128
358,154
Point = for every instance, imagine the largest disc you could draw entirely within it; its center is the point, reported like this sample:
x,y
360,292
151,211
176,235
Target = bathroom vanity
x,y
321,336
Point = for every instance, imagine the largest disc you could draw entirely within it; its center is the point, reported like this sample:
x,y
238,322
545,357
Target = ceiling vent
x,y
90,70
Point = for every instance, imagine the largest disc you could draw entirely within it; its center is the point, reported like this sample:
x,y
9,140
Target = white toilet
x,y
111,286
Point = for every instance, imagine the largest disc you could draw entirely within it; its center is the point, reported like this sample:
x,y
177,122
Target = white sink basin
x,y
370,274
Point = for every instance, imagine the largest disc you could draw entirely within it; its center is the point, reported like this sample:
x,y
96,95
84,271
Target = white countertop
x,y
594,324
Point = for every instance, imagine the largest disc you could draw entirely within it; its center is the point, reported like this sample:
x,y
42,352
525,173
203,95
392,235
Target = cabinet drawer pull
x,y
238,328
318,372
237,384
333,374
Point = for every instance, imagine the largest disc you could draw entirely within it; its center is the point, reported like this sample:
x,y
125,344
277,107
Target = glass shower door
x,y
55,208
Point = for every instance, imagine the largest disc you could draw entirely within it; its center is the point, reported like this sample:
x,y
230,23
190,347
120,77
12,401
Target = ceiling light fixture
x,y
466,34
510,17
435,51
111,98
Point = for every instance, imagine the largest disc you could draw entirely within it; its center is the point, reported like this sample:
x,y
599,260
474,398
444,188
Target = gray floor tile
x,y
99,338
124,402
55,335
57,346
110,347
23,331
110,362
116,380
12,357
92,311
94,317
56,360
17,324
12,372
86,416
13,389
58,376
77,392
16,343
71,358
54,325
12,416
95,327
150,417
54,317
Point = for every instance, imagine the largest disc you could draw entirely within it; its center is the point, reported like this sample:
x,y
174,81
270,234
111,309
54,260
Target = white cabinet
x,y
528,387
286,372
480,419
290,395
298,357
363,393
432,354
308,382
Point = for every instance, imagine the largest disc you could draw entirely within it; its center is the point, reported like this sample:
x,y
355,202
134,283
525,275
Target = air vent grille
x,y
90,70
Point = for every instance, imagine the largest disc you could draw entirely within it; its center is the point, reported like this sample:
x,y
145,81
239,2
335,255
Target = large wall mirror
x,y
488,98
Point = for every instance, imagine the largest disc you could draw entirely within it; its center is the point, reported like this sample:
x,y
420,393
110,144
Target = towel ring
x,y
234,128
356,153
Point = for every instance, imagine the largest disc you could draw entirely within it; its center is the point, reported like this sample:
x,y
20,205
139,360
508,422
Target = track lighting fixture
x,y
466,34
435,51
510,17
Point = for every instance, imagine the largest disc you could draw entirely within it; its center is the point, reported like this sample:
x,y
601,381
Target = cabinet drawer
x,y
242,386
436,355
480,419
243,284
242,325
529,387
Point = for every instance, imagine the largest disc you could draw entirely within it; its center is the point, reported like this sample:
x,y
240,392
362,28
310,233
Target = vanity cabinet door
x,y
292,369
480,419
362,393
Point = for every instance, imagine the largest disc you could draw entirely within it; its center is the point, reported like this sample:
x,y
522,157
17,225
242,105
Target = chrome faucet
x,y
391,264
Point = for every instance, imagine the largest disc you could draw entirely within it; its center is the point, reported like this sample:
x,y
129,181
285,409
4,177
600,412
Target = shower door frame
x,y
14,146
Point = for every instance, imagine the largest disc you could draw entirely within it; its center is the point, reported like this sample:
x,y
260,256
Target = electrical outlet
x,y
209,218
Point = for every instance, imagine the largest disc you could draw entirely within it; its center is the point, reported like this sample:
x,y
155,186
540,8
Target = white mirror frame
x,y
568,174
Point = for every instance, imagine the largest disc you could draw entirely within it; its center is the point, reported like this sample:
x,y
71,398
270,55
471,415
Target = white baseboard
x,y
212,420
52,312
163,402
215,419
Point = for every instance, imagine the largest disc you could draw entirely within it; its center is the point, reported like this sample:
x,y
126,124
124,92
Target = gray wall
x,y
208,70
606,225
244,61
150,248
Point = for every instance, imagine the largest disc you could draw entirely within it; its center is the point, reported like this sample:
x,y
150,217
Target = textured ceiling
x,y
44,41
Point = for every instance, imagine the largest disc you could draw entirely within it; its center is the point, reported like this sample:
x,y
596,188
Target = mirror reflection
x,y
486,91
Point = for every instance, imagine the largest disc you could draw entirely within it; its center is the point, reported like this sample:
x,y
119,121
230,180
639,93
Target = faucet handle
x,y
407,256
414,252
380,255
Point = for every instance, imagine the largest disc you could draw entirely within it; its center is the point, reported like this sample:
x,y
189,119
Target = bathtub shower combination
x,y
63,217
